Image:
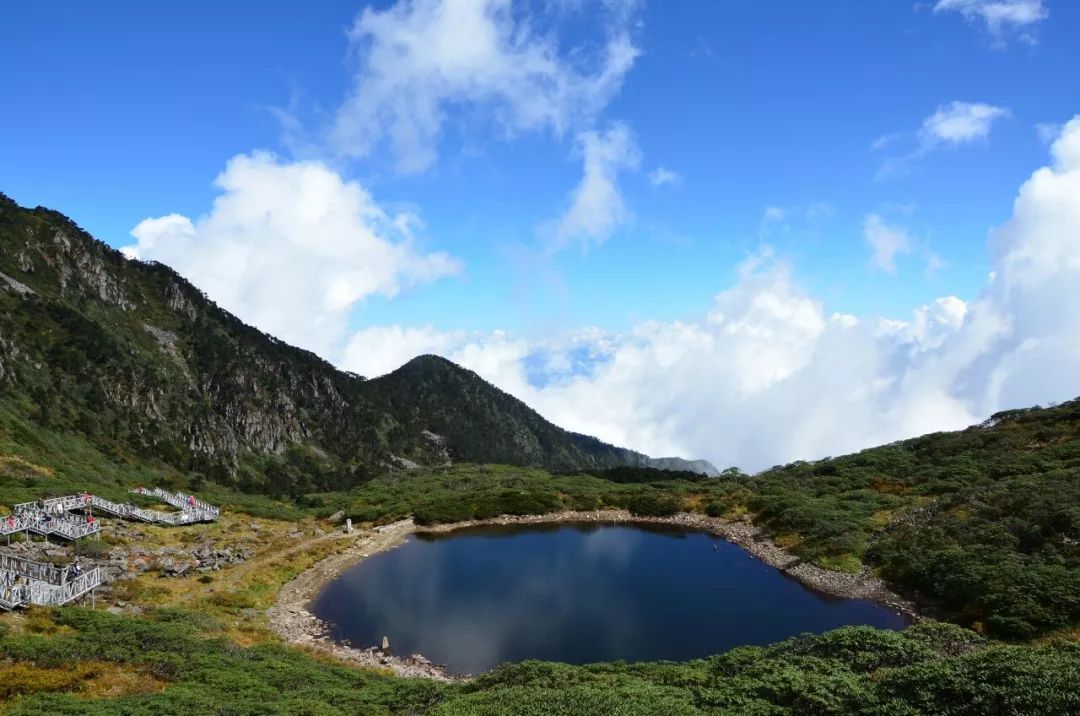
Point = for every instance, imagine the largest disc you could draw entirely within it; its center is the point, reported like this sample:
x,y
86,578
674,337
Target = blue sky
x,y
788,129
127,110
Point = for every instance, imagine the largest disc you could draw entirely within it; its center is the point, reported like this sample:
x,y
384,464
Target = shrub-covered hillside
x,y
983,525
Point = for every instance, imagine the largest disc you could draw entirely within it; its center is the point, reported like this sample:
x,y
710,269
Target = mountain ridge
x,y
139,360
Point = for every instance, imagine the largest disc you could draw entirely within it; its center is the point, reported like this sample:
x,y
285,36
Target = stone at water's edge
x,y
386,645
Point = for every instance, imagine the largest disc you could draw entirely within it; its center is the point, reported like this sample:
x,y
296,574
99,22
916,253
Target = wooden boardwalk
x,y
24,582
48,522
192,510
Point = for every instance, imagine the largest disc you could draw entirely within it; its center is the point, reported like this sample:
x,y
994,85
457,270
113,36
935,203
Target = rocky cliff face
x,y
139,361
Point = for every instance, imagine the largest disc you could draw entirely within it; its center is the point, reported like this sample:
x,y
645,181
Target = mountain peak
x,y
431,361
141,362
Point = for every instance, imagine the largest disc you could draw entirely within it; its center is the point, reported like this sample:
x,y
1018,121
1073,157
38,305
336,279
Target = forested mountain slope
x,y
133,358
484,423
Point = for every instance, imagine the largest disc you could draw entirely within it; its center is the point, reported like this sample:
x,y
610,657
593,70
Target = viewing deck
x,y
47,522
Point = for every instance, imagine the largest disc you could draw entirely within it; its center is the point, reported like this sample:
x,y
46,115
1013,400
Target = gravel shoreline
x,y
290,619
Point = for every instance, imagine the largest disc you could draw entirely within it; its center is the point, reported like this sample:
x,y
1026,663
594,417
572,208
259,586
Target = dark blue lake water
x,y
575,593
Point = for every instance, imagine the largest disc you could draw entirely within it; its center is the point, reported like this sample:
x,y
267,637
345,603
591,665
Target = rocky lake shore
x,y
290,618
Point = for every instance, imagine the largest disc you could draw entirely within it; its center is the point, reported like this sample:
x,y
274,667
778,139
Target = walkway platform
x,y
187,503
23,582
45,523
192,509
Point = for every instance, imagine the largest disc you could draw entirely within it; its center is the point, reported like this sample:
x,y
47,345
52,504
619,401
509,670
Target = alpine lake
x,y
577,593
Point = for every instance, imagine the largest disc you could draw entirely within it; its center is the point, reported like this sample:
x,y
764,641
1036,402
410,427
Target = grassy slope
x,y
36,462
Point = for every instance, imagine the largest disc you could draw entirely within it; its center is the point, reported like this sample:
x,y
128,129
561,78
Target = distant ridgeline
x,y
135,360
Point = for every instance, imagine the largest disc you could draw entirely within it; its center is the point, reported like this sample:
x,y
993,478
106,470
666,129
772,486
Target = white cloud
x,y
951,125
768,375
796,220
596,206
934,263
292,248
885,140
886,242
773,214
378,350
999,16
662,176
419,58
1047,132
960,123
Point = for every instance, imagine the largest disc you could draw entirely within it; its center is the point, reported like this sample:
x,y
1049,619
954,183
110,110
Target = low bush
x,y
654,504
926,669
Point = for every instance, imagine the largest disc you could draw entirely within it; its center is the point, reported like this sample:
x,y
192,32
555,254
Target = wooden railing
x,y
23,581
29,569
10,524
50,523
73,529
188,503
125,510
65,503
52,595
13,594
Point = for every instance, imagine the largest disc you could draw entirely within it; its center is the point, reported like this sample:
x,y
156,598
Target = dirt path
x,y
258,562
290,619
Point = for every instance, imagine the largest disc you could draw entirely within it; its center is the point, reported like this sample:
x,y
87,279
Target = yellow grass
x,y
89,679
225,594
962,514
882,518
114,680
788,541
8,462
889,488
737,512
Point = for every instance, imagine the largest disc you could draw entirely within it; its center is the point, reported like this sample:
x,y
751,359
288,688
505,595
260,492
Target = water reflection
x,y
574,593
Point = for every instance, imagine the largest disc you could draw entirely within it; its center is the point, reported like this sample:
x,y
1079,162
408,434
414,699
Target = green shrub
x,y
654,504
